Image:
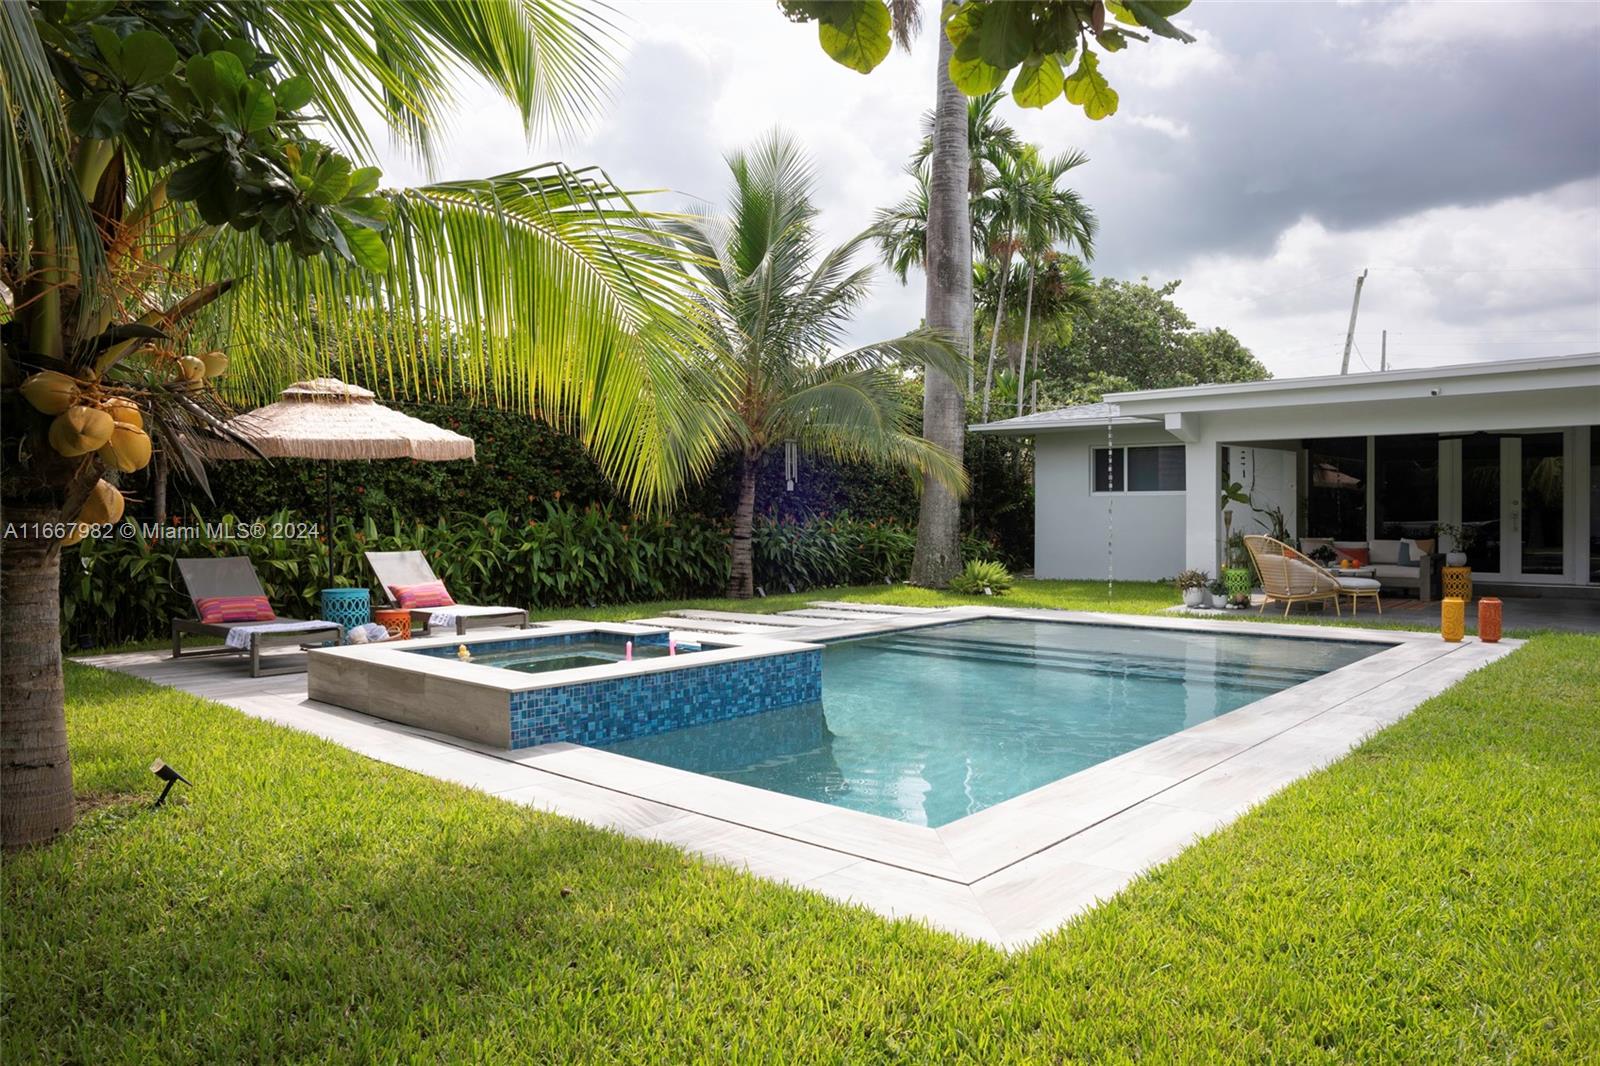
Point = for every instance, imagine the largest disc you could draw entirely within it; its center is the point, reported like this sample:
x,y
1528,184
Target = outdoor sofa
x,y
234,579
1397,564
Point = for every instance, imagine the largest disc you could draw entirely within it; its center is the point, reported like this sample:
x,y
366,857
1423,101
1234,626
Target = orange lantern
x,y
1452,619
1489,619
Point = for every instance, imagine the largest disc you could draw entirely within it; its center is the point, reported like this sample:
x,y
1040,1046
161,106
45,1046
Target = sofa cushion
x,y
1385,551
1393,571
1354,584
1311,544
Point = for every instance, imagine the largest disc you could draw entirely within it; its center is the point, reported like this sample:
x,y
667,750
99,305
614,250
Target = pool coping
x,y
1005,875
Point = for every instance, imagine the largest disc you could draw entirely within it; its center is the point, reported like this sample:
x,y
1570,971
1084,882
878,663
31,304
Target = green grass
x,y
1432,897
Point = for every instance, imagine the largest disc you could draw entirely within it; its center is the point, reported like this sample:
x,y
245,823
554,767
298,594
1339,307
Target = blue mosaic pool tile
x,y
601,712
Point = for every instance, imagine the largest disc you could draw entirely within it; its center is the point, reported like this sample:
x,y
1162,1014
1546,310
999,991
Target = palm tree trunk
x,y
158,488
994,336
948,308
741,569
1027,320
35,769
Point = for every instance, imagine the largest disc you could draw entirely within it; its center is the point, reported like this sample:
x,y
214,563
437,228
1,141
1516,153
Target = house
x,y
1510,451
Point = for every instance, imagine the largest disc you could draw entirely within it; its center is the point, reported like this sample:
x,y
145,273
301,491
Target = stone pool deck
x,y
1005,875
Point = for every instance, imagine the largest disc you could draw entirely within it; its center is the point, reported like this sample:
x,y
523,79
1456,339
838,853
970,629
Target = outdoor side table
x,y
348,607
1457,582
395,620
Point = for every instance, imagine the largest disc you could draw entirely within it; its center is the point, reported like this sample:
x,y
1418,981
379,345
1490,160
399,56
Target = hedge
x,y
126,588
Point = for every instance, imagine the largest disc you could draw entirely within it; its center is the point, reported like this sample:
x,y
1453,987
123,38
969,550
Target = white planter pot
x,y
1195,597
1455,558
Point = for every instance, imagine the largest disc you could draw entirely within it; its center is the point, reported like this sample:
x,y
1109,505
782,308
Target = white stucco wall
x,y
1070,521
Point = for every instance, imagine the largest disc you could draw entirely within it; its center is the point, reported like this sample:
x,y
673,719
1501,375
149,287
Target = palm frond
x,y
553,59
542,291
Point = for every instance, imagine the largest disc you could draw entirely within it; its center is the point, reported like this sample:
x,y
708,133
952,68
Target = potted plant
x,y
1194,584
1461,540
1237,575
1323,556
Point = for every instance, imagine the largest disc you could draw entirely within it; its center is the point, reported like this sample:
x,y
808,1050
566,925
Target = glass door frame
x,y
1511,524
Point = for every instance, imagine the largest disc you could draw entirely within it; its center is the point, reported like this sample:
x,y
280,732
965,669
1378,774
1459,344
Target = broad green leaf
x,y
331,181
294,93
243,49
1153,15
147,57
98,117
363,181
365,245
75,11
191,179
1088,88
960,25
256,108
1038,82
230,72
108,43
975,77
201,73
1112,40
856,35
1006,35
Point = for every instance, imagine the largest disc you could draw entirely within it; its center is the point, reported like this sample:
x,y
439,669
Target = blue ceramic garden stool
x,y
348,607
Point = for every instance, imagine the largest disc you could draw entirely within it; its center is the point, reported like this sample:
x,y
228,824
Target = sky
x,y
1450,149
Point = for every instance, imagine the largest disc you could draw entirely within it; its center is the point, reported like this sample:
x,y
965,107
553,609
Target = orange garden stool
x,y
397,622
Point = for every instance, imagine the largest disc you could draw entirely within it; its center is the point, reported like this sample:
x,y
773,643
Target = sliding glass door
x,y
1541,504
1514,504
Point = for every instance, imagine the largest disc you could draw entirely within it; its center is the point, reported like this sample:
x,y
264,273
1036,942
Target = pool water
x,y
930,725
571,655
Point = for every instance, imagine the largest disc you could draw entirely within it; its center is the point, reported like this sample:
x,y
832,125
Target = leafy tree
x,y
1039,39
777,307
165,207
1136,337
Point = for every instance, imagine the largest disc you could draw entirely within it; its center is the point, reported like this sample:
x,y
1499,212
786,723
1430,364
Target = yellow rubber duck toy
x,y
463,654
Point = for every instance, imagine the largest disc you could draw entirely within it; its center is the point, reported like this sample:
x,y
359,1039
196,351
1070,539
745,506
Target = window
x,y
1158,468
1336,501
1406,490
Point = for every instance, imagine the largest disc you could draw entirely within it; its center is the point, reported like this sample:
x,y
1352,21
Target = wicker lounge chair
x,y
1291,578
207,578
411,568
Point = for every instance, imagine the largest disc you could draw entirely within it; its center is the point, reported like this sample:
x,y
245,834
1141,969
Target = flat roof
x,y
1151,405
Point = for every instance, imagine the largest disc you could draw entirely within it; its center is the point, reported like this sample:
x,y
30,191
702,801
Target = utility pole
x,y
1350,334
1383,358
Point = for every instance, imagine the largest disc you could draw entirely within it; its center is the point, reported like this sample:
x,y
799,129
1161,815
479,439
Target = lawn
x,y
1431,897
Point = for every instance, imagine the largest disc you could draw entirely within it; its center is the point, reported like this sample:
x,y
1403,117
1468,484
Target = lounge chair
x,y
1291,578
401,569
235,579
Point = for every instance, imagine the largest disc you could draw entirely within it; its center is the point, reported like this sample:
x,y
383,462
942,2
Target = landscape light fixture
x,y
170,776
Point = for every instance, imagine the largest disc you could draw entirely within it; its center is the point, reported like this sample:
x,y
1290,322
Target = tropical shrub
x,y
982,577
126,587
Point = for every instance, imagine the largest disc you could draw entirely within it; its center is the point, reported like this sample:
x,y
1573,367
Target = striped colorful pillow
x,y
427,594
219,609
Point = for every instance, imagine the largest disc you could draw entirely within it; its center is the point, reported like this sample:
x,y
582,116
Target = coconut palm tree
x,y
1065,290
164,205
776,310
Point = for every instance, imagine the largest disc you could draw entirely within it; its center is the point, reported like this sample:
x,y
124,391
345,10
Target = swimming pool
x,y
927,726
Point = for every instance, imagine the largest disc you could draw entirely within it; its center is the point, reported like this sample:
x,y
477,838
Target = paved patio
x,y
1005,875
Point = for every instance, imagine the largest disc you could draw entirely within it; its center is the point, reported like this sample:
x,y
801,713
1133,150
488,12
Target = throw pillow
x,y
427,594
219,610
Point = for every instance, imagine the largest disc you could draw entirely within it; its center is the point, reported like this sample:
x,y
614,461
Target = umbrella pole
x,y
327,479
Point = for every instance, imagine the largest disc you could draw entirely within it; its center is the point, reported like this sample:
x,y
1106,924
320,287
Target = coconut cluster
x,y
112,428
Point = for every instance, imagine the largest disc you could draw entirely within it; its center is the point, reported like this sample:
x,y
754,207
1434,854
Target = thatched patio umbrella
x,y
327,419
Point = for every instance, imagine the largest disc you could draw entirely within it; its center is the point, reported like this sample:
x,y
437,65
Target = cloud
x,y
1287,149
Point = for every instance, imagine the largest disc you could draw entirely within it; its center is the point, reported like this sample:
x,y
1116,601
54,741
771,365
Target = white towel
x,y
239,636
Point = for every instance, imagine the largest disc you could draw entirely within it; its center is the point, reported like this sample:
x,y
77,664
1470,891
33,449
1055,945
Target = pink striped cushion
x,y
217,609
427,594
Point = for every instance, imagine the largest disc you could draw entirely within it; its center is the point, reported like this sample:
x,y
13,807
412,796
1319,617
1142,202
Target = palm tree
x,y
1030,214
160,195
948,309
777,306
1065,291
